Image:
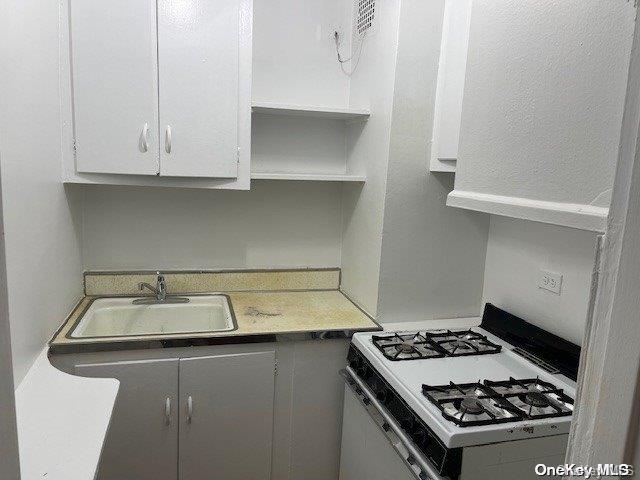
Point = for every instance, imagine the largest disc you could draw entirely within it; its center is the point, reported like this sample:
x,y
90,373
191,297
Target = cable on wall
x,y
357,55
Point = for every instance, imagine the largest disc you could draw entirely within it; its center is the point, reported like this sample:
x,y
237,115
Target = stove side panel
x,y
512,459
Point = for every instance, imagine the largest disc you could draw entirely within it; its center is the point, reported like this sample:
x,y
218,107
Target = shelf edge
x,y
310,111
580,216
317,177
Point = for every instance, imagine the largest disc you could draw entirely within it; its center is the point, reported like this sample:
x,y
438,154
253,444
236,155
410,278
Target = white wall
x,y
372,85
275,224
517,250
294,57
297,144
543,98
432,255
40,222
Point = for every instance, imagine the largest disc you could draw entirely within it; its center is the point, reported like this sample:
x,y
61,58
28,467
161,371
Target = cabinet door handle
x,y
144,138
189,408
167,139
167,411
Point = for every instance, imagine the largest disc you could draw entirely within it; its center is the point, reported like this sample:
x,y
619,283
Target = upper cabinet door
x,y
115,94
198,49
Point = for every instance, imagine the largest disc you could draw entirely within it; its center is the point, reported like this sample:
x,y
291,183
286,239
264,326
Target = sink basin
x,y
119,317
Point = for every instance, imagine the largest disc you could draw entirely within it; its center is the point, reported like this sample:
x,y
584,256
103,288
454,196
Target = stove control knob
x,y
382,394
407,423
420,437
355,362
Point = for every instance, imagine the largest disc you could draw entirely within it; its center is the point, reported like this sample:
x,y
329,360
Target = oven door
x,y
374,447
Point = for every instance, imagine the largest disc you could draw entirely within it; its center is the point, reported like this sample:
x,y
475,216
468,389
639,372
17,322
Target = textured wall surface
x,y
517,250
432,255
543,98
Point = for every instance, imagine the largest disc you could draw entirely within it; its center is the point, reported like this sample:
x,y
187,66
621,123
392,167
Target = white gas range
x,y
489,401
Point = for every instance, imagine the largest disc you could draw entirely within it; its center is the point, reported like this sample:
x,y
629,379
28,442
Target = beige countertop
x,y
257,313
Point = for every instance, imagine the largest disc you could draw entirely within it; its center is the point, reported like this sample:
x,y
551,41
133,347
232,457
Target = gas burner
x,y
534,397
406,346
455,344
470,404
467,342
444,343
489,402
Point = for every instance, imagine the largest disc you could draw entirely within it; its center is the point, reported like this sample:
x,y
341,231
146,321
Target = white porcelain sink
x,y
119,317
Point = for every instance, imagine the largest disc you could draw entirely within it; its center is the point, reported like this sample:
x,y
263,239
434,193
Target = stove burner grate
x,y
491,402
420,345
469,404
406,346
535,398
463,343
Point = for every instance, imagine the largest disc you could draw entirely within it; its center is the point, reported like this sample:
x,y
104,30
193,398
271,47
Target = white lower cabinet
x,y
201,418
246,421
226,425
142,442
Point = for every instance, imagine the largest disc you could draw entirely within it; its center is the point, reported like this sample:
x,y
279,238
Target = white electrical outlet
x,y
550,281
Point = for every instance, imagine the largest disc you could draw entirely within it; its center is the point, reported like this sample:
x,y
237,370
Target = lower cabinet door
x,y
226,417
142,442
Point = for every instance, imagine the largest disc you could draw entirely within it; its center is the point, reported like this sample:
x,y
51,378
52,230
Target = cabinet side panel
x,y
317,409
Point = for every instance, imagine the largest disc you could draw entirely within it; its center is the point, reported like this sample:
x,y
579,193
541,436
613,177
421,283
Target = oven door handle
x,y
367,397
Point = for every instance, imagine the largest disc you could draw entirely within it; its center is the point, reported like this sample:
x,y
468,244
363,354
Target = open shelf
x,y
315,177
334,113
580,216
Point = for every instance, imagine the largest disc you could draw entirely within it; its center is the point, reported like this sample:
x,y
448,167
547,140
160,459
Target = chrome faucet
x,y
160,292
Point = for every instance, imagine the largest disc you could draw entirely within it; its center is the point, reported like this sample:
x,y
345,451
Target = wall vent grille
x,y
366,10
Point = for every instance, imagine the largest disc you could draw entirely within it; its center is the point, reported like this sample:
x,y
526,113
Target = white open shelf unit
x,y
304,143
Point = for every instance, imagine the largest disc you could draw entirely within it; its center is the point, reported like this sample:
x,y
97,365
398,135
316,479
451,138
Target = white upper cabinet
x,y
450,86
543,104
115,101
198,58
159,92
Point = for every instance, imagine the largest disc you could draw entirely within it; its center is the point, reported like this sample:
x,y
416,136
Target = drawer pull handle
x,y
167,139
167,412
189,409
144,138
